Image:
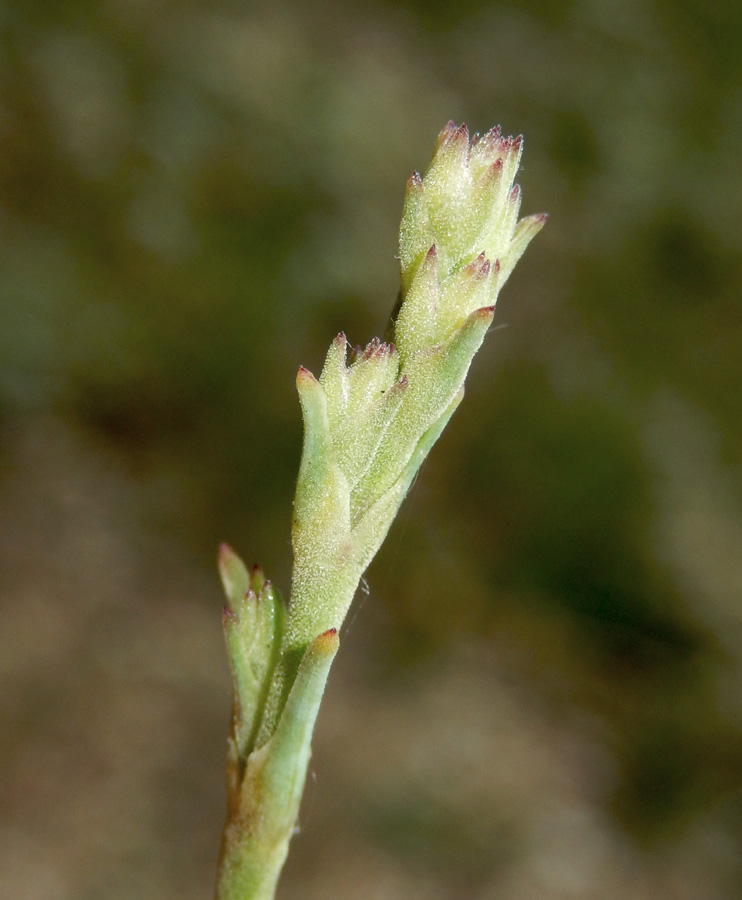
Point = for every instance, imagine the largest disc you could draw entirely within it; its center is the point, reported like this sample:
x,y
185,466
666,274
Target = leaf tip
x,y
226,553
414,182
484,312
229,616
327,642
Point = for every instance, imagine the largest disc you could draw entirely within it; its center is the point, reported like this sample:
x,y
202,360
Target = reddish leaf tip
x,y
479,267
327,642
225,551
304,376
372,348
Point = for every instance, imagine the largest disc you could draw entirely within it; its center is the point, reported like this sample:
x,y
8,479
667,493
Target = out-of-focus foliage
x,y
194,199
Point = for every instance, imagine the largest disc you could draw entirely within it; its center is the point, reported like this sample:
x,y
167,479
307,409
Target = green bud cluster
x,y
369,422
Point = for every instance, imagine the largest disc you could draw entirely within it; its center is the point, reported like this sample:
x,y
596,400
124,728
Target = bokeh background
x,y
538,690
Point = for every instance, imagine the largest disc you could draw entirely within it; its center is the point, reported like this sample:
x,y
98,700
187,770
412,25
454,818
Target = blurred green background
x,y
538,690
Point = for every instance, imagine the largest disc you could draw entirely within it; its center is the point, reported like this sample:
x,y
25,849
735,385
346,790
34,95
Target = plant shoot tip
x,y
327,642
229,616
304,376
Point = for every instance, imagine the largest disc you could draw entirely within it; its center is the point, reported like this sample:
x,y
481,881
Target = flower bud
x,y
466,204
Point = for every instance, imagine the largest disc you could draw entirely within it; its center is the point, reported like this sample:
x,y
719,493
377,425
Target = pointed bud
x,y
465,203
524,233
234,575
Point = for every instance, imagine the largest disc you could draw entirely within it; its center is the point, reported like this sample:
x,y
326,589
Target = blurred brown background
x,y
538,694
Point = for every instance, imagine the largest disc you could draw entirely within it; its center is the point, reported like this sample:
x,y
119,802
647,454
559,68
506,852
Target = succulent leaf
x,y
234,575
253,626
